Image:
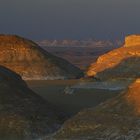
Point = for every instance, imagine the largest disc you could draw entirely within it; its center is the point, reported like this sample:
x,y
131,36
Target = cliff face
x,y
116,119
123,62
32,62
132,40
23,114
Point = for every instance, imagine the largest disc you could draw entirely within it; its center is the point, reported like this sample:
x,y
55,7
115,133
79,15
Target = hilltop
x,y
32,62
123,62
132,40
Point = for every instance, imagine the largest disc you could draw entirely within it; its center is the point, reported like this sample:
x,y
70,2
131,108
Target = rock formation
x,y
23,114
116,119
132,40
123,62
32,62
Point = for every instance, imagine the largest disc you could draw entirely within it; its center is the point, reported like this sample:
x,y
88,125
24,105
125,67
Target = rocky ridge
x,y
32,62
123,62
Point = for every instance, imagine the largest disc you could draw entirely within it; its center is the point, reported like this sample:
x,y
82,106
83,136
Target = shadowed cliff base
x,y
32,62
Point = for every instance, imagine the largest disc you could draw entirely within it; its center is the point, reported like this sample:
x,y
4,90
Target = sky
x,y
70,19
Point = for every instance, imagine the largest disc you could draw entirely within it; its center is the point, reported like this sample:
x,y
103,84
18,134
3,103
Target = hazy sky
x,y
75,19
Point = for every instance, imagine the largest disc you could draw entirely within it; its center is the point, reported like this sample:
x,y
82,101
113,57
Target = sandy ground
x,y
53,91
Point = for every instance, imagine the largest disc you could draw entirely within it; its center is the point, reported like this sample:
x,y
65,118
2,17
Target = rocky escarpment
x,y
132,40
123,62
23,114
32,62
116,119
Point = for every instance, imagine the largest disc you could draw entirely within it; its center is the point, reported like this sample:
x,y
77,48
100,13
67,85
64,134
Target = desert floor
x,y
53,91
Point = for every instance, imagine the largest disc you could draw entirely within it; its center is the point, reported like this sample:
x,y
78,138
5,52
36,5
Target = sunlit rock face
x,y
132,40
116,119
123,62
23,114
32,62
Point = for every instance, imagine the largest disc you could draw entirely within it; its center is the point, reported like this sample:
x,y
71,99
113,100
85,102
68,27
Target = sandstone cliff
x,y
123,62
132,40
32,62
116,119
23,114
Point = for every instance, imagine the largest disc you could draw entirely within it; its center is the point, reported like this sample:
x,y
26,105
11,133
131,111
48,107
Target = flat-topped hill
x,y
32,62
132,40
123,62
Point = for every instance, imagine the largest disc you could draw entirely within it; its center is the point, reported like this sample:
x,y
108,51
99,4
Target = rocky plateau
x,y
121,63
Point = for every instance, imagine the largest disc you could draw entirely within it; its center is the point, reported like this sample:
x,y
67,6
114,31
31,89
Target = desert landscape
x,y
108,88
69,70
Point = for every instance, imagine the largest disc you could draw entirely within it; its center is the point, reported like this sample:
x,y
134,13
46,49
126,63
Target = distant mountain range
x,y
80,43
81,53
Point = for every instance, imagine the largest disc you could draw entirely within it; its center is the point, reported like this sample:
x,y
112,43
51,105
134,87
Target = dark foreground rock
x,y
23,114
